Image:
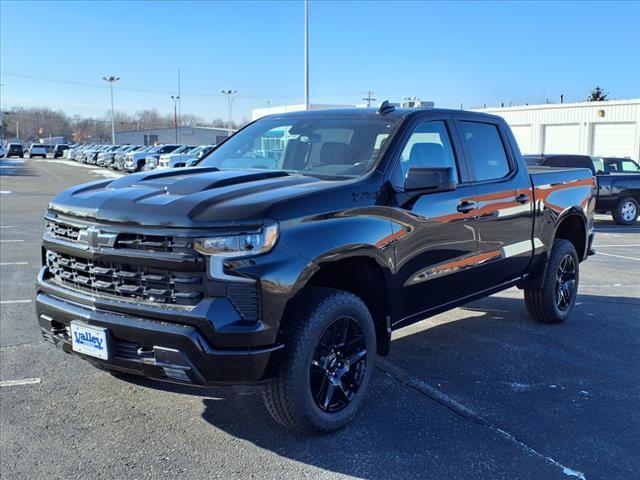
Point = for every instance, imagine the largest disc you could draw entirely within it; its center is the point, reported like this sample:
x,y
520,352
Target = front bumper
x,y
156,348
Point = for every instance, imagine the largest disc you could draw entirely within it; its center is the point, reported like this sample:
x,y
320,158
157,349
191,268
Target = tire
x,y
554,302
314,390
626,212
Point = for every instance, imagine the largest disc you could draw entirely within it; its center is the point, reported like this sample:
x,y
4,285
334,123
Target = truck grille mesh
x,y
134,282
119,279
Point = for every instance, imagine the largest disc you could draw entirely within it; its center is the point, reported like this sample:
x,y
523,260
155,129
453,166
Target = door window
x,y
485,149
428,146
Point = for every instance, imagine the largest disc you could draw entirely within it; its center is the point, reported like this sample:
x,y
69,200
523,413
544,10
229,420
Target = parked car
x,y
119,158
618,193
152,160
175,159
134,161
14,150
295,277
59,149
106,159
91,157
37,150
3,151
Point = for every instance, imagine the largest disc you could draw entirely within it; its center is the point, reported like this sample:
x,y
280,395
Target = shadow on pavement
x,y
569,391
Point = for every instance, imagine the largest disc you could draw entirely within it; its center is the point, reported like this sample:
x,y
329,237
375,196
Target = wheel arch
x,y
571,225
362,272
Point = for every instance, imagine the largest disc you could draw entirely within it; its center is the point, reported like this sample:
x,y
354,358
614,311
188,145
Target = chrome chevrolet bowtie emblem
x,y
95,238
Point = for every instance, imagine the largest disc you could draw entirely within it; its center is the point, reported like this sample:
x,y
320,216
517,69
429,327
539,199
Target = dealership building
x,y
609,128
186,135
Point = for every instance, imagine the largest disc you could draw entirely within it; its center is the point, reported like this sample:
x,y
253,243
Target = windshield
x,y
311,145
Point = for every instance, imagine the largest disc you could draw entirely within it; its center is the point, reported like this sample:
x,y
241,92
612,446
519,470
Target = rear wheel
x,y
554,302
626,212
331,350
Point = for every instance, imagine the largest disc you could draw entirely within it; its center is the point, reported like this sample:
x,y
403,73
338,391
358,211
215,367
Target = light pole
x,y
112,79
306,54
229,94
175,99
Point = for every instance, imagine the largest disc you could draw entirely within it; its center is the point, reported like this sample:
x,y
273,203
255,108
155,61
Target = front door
x,y
436,234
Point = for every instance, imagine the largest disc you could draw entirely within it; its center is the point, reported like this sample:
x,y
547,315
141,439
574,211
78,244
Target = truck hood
x,y
186,197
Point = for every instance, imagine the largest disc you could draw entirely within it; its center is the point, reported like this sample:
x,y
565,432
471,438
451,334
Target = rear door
x,y
504,198
435,234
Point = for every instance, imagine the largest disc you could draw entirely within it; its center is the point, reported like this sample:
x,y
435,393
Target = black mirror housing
x,y
421,180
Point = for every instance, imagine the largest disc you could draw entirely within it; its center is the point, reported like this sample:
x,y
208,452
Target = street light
x,y
175,99
230,96
111,81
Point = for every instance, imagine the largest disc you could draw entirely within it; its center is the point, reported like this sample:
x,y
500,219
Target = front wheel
x,y
331,352
554,302
626,212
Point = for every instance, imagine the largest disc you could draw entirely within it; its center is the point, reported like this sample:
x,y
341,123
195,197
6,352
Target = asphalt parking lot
x,y
478,392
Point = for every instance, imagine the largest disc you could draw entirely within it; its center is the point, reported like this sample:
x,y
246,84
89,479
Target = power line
x,y
132,89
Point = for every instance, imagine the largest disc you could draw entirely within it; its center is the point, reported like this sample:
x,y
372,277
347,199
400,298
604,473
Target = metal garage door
x,y
614,139
523,137
562,138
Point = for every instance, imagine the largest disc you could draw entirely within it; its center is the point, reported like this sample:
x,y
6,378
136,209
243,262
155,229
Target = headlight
x,y
235,246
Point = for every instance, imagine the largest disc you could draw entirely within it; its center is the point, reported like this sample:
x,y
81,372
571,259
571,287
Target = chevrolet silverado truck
x,y
618,181
294,277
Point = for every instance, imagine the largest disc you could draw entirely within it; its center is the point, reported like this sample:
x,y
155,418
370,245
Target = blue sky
x,y
471,53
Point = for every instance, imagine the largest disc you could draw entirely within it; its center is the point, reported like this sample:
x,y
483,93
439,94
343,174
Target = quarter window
x,y
485,149
428,146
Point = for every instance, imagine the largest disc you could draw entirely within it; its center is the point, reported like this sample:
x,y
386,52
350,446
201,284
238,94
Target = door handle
x,y
522,198
466,207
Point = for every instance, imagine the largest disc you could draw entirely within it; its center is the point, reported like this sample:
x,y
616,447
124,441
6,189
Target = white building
x,y
186,135
609,128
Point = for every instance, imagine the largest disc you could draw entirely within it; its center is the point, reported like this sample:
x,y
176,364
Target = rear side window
x,y
486,151
630,166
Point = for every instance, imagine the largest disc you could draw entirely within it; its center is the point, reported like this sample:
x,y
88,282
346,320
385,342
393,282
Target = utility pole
x,y
369,98
230,96
306,54
175,99
112,79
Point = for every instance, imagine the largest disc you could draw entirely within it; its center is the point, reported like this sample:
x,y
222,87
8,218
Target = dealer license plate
x,y
89,340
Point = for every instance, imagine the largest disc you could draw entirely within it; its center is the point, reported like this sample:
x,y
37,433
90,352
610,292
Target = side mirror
x,y
429,180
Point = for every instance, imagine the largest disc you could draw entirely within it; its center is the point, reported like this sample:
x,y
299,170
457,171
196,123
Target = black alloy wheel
x,y
338,365
565,282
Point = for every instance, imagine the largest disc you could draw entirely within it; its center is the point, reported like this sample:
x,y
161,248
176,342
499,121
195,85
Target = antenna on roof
x,y
385,108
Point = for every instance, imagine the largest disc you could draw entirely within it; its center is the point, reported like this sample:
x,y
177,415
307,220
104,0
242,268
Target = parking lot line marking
x,y
5,192
11,241
24,381
442,398
617,256
612,246
9,302
13,263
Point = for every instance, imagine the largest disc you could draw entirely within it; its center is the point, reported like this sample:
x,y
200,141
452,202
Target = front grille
x,y
127,281
117,278
62,231
157,243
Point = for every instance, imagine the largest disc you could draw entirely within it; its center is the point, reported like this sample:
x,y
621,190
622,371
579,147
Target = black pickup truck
x,y
290,253
618,182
